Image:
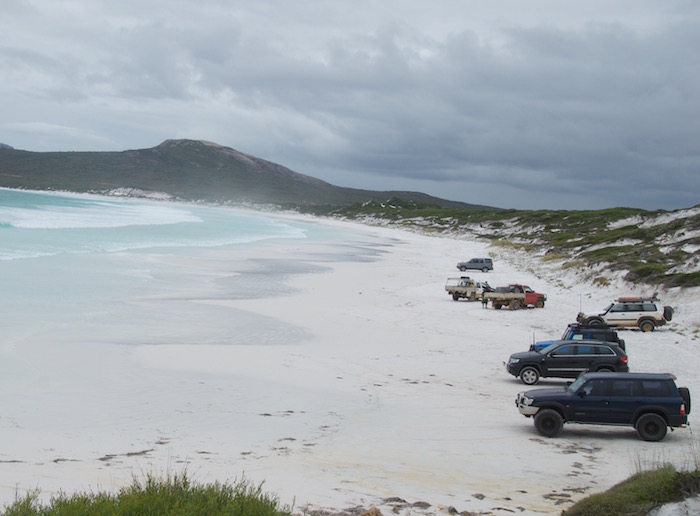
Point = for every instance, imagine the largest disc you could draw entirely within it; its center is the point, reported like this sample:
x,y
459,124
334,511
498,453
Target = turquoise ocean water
x,y
96,269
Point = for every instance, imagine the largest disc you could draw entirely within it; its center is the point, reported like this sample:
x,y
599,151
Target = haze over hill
x,y
185,169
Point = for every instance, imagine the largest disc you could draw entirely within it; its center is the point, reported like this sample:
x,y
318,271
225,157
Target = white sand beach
x,y
366,384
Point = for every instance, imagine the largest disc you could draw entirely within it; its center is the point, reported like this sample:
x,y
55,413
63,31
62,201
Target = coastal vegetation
x,y
177,495
640,493
174,496
656,248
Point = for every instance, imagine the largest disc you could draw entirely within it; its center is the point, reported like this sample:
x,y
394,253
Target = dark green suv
x,y
649,402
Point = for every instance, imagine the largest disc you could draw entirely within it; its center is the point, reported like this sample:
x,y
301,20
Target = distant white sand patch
x,y
619,243
137,192
663,218
680,236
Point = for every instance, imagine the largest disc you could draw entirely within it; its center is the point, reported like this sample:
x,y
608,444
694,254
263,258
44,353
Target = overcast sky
x,y
557,104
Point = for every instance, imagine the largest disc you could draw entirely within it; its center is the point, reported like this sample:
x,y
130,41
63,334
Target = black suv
x,y
567,359
650,402
576,331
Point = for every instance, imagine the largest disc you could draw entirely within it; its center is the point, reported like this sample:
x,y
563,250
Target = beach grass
x,y
175,495
640,493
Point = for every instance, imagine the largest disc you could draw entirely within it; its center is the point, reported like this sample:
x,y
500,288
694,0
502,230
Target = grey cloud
x,y
454,103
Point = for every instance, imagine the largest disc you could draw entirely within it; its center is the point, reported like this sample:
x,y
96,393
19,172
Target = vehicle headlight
x,y
512,360
524,400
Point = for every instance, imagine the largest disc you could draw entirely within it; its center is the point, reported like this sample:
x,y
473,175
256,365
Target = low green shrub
x,y
549,257
573,264
638,494
601,281
170,496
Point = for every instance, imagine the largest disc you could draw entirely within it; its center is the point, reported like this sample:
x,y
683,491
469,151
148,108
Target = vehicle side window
x,y
637,307
622,388
563,351
655,388
618,308
578,336
605,350
597,388
583,349
649,307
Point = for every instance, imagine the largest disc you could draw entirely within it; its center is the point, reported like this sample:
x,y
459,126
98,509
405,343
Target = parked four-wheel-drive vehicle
x,y
577,331
645,313
567,359
515,296
466,288
649,402
479,264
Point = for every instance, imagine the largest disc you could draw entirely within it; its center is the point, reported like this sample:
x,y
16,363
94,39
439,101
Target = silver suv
x,y
480,264
645,313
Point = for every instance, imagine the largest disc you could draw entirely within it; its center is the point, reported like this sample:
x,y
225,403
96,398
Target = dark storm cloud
x,y
584,107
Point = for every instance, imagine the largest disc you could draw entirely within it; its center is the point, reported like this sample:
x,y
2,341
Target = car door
x,y
616,314
561,362
625,397
585,356
591,403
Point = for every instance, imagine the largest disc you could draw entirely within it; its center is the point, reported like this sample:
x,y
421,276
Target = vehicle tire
x,y
515,304
647,325
651,427
462,269
485,269
539,303
455,296
497,306
605,370
685,394
548,422
594,321
529,375
668,313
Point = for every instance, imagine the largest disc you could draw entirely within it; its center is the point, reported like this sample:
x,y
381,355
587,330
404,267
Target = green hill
x,y
187,170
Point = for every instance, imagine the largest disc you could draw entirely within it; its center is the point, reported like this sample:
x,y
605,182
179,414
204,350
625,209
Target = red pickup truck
x,y
515,296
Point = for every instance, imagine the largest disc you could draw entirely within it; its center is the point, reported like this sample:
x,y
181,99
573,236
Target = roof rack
x,y
637,298
597,326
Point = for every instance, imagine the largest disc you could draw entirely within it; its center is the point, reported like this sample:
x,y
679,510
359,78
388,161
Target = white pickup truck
x,y
466,288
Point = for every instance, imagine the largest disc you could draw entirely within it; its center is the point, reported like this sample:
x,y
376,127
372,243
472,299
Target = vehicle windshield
x,y
576,384
567,332
607,308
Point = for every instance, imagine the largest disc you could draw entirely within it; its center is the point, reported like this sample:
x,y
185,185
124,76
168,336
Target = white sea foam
x,y
94,214
36,224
